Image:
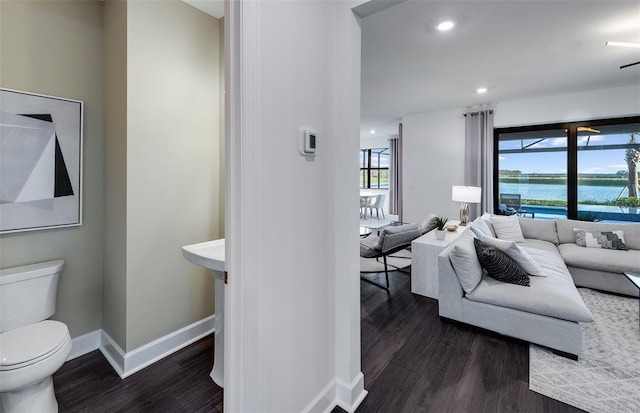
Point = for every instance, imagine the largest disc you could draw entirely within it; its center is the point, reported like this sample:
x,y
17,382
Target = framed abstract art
x,y
40,161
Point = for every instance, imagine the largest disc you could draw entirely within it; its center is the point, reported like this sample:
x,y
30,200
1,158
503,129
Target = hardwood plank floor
x,y
412,361
178,383
415,362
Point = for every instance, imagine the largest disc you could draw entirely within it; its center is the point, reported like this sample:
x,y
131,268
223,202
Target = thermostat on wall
x,y
308,140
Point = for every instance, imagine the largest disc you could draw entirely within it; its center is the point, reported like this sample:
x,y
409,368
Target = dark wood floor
x,y
415,362
176,384
412,361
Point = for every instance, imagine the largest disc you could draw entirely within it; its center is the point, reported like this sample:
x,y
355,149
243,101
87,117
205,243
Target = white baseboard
x,y
350,395
84,344
324,401
158,349
337,393
125,364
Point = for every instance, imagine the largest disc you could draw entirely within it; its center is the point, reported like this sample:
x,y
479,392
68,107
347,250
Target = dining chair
x,y
378,204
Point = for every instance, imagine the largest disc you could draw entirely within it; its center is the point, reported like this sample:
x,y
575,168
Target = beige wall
x,y
149,74
55,48
115,171
173,142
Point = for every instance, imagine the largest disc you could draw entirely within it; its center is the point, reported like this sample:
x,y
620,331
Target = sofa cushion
x,y
507,228
369,246
499,265
465,261
565,230
519,255
539,229
553,296
600,259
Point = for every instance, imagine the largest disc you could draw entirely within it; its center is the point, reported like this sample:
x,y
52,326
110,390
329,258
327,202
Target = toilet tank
x,y
28,294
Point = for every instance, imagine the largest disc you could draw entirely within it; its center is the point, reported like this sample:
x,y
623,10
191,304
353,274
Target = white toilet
x,y
32,348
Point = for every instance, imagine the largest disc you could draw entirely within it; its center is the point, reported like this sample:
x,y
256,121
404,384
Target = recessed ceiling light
x,y
623,44
445,25
372,131
481,90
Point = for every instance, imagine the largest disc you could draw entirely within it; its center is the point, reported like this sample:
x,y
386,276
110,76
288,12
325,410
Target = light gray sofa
x,y
550,310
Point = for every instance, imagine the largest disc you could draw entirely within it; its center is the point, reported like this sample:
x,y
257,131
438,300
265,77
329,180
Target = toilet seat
x,y
30,344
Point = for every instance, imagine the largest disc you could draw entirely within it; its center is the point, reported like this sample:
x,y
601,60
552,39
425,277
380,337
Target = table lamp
x,y
466,195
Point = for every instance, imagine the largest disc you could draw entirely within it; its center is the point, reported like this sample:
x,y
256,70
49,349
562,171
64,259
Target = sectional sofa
x,y
549,311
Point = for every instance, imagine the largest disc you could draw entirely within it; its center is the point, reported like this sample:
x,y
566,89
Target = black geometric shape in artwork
x,y
62,183
44,117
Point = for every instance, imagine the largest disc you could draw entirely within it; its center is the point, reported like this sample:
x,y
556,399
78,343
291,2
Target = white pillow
x,y
486,217
522,257
507,228
465,261
481,227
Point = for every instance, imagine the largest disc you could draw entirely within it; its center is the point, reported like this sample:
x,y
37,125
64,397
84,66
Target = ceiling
x,y
516,49
212,7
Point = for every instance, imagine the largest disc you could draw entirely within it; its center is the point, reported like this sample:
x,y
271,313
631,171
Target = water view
x,y
554,192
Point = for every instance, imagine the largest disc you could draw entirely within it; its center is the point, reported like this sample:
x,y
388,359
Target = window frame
x,y
572,153
366,170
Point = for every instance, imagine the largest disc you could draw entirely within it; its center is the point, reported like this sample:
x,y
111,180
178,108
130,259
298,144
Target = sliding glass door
x,y
607,163
533,168
581,170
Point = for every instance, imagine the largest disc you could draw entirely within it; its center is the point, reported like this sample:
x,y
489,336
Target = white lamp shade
x,y
469,194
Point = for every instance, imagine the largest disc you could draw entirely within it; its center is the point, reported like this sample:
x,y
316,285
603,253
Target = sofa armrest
x,y
450,291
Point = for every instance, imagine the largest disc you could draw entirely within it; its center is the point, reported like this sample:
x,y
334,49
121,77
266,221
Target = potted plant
x,y
441,223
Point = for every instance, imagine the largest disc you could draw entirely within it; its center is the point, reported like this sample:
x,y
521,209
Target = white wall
x,y
293,296
592,104
434,141
433,159
370,143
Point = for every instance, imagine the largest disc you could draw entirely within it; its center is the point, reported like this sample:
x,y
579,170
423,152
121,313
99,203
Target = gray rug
x,y
399,260
606,378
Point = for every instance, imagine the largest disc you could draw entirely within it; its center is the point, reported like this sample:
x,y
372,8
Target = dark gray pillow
x,y
499,265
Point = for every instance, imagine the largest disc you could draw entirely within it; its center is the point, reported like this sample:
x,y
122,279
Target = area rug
x,y
399,260
606,378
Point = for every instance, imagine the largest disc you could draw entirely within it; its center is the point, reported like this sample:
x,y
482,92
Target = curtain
x,y
395,175
479,158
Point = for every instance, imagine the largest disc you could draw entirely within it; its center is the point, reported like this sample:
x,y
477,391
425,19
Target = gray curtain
x,y
395,175
478,169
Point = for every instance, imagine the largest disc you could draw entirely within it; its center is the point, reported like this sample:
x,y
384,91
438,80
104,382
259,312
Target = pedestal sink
x,y
210,255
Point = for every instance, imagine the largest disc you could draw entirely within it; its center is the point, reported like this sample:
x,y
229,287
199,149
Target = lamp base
x,y
464,213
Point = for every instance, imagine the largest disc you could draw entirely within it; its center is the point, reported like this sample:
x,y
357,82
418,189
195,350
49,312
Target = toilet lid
x,y
29,344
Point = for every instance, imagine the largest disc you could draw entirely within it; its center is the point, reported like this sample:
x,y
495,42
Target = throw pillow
x,y
481,227
465,262
611,240
429,223
499,265
513,250
507,228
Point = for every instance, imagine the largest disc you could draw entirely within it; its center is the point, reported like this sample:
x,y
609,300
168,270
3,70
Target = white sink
x,y
210,255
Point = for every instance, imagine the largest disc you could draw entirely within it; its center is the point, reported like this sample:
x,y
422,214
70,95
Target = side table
x,y
424,260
